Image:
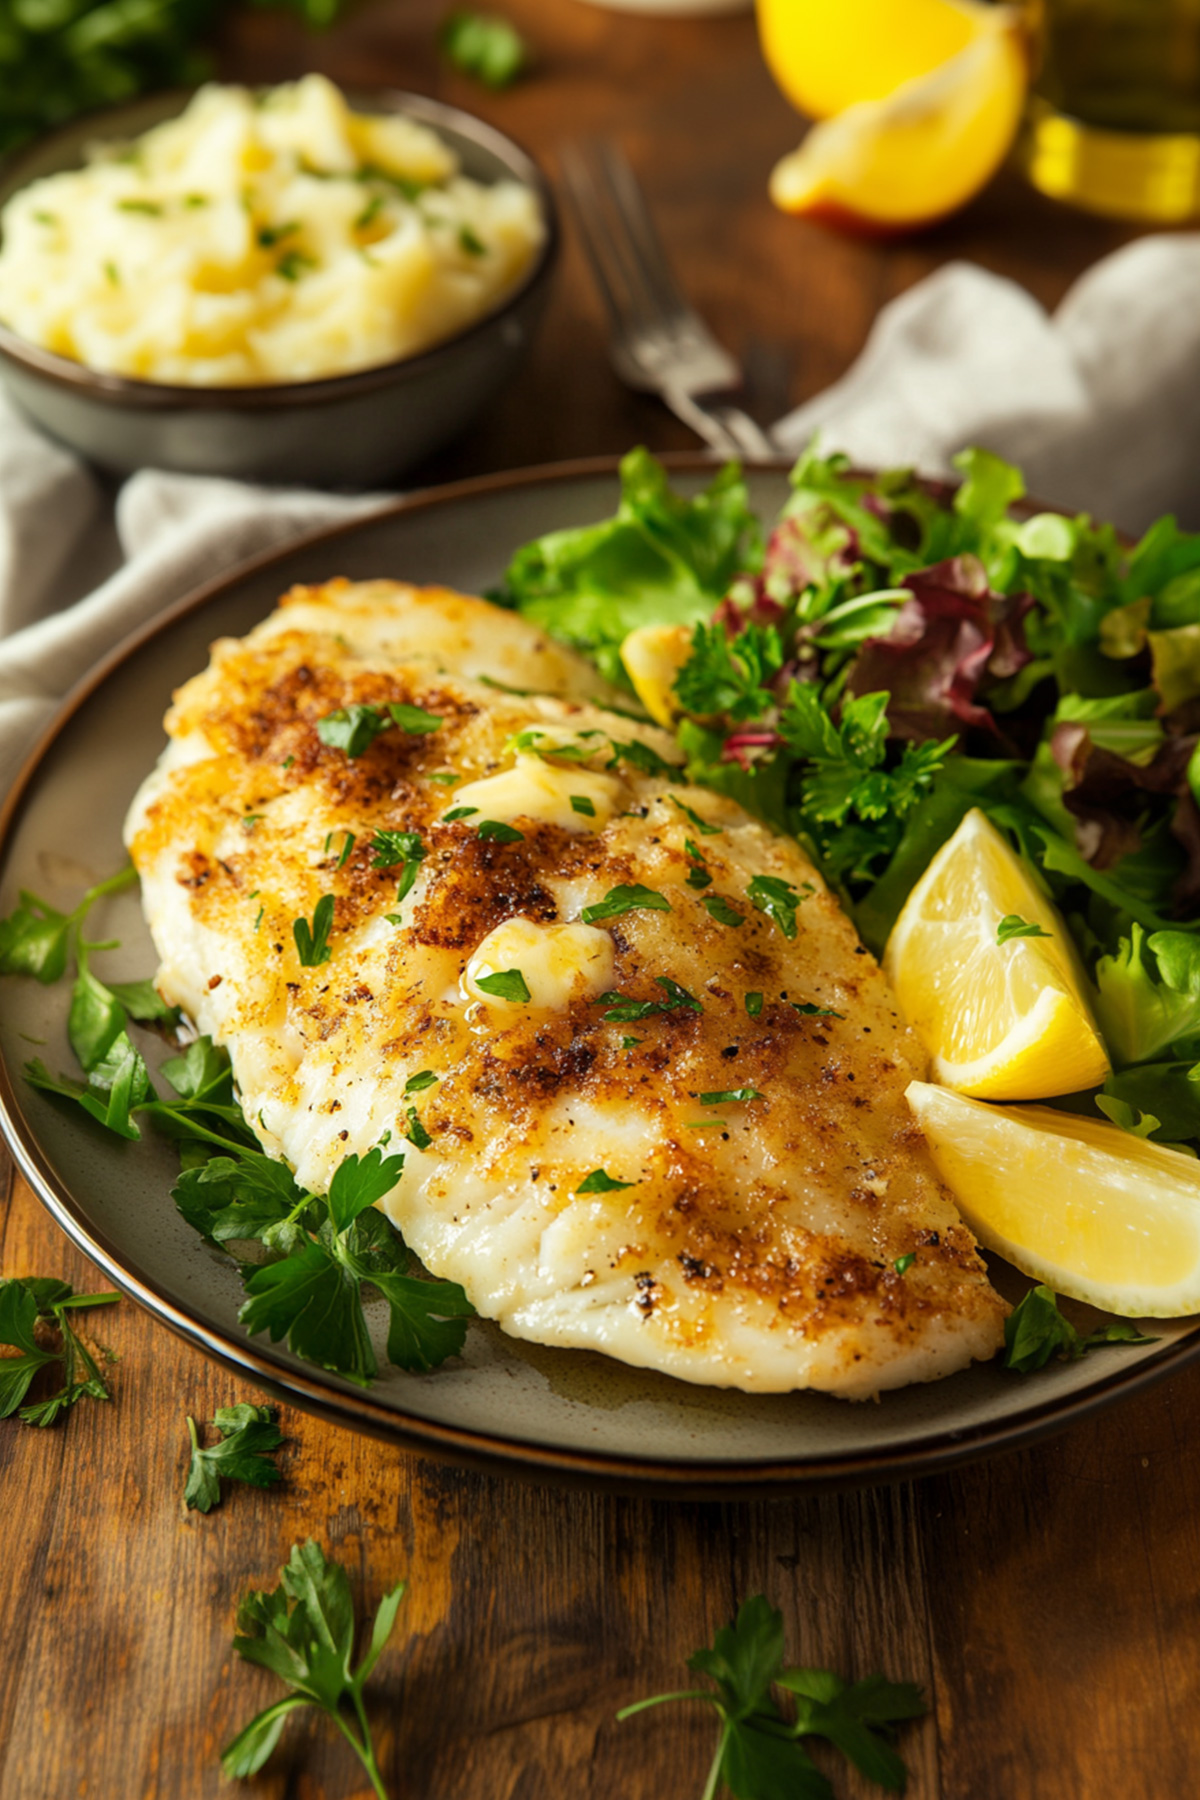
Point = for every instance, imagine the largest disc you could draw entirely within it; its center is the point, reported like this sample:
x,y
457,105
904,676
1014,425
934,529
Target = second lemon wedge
x,y
920,153
1003,1020
1093,1211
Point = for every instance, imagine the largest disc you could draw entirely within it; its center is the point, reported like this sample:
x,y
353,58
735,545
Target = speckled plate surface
x,y
548,1414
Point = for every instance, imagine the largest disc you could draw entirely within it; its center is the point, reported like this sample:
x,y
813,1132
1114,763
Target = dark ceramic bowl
x,y
356,430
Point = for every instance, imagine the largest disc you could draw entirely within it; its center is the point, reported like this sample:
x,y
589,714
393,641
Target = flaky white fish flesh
x,y
688,1146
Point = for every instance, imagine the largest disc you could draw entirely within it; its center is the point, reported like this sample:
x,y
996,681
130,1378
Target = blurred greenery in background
x,y
62,57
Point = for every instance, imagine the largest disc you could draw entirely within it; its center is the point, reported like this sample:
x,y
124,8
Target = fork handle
x,y
723,426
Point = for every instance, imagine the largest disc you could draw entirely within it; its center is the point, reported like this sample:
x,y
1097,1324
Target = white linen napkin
x,y
1100,403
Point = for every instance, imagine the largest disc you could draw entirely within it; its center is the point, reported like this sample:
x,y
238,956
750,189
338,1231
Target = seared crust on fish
x,y
745,1242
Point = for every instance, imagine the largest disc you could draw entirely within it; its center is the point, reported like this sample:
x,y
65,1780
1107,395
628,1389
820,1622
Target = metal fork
x,y
659,344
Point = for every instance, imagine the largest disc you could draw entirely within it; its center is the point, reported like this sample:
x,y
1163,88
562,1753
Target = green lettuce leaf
x,y
662,559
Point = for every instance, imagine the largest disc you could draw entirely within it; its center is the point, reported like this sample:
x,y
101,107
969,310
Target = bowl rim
x,y
159,396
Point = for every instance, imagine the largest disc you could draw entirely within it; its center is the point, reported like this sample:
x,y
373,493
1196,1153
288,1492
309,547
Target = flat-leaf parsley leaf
x,y
247,1436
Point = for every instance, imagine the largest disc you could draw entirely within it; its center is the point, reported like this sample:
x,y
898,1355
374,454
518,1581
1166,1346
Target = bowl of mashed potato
x,y
285,285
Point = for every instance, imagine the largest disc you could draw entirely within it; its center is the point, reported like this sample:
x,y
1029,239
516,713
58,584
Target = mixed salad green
x,y
893,652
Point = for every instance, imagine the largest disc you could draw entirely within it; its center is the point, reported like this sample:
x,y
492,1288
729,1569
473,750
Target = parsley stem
x,y
364,1750
638,1706
714,1774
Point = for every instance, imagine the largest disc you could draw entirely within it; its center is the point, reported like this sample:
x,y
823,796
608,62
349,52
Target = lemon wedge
x,y
1003,1021
904,161
653,656
826,57
1083,1206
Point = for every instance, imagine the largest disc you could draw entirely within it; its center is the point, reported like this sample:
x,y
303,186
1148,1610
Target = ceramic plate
x,y
551,1414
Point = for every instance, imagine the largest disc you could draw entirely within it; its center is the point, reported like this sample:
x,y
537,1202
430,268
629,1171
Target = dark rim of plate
x,y
125,390
928,1453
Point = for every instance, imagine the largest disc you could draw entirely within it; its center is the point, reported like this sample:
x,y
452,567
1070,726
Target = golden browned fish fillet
x,y
736,1075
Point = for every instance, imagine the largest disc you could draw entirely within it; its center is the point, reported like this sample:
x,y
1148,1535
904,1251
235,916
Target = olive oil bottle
x,y
1113,122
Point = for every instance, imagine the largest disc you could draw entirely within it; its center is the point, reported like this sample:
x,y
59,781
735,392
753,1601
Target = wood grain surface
x,y
1049,1601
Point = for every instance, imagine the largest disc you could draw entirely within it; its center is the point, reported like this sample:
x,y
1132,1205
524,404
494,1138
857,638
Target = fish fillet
x,y
586,1171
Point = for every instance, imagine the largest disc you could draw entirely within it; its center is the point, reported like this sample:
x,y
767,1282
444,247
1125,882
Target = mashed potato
x,y
261,239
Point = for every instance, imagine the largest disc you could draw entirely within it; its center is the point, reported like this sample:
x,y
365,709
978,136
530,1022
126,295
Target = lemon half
x,y
1081,1205
1007,1021
896,163
826,57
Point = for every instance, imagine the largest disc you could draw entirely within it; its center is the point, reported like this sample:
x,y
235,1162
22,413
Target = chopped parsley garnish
x,y
270,235
416,1134
26,1303
1014,926
754,1005
370,212
505,984
581,804
355,728
624,1011
641,756
618,900
499,832
393,847
730,1096
458,812
416,1084
719,908
250,820
248,1434
352,728
532,742
778,900
904,1263
312,941
150,208
809,1010
347,847
415,720
699,875
600,1182
592,743
702,825
758,1754
112,274
630,1043
470,243
293,263
444,777
303,1632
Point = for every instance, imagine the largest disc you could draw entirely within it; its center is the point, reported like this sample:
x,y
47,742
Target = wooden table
x,y
1049,1600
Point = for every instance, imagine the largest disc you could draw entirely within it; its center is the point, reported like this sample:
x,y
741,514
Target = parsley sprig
x,y
248,1434
1036,1330
36,939
759,1754
25,1304
303,1631
319,1252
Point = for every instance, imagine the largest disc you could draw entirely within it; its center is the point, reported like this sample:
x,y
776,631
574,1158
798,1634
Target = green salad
x,y
888,654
